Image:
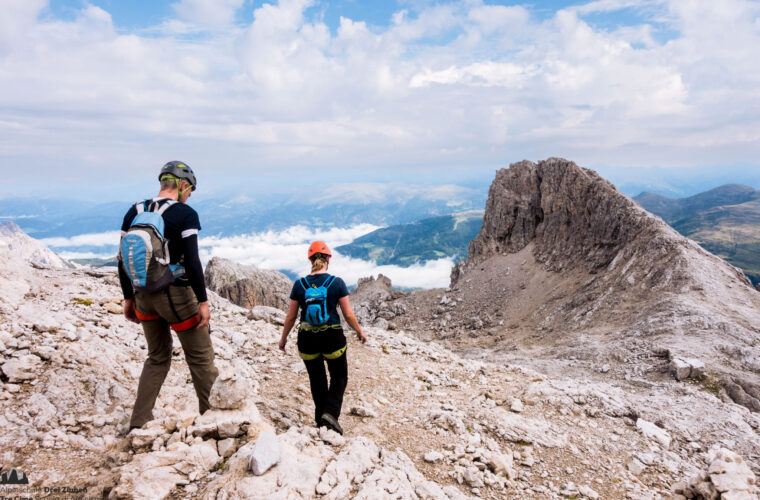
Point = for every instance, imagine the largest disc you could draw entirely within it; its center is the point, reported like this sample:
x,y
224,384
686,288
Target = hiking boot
x,y
332,423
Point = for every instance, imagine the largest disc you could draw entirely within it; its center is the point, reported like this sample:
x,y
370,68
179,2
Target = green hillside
x,y
724,220
427,239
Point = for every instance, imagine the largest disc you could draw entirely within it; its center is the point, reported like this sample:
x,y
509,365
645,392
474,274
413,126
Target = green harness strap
x,y
328,355
311,328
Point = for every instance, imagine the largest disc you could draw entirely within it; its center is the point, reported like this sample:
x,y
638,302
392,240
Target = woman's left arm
x,y
348,314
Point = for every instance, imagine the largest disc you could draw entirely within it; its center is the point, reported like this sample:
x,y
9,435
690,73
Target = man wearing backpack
x,y
162,280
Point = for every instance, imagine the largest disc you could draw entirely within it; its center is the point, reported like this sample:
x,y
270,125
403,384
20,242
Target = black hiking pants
x,y
317,348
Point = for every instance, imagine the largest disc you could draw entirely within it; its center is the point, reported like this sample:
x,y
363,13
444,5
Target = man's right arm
x,y
124,281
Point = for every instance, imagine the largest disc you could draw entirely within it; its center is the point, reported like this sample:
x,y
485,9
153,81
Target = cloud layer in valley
x,y
282,250
460,83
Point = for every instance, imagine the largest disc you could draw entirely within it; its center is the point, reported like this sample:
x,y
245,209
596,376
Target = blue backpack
x,y
316,301
144,252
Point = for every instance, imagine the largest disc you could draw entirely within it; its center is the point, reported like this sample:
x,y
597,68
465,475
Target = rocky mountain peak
x,y
567,267
571,215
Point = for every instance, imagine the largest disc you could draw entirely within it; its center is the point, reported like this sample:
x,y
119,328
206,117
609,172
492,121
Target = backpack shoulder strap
x,y
329,281
166,206
140,206
301,281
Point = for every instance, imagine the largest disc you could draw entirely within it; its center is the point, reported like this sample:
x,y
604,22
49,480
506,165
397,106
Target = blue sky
x,y
103,92
140,14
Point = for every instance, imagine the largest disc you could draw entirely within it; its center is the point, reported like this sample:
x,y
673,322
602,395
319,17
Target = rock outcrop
x,y
248,286
373,301
14,240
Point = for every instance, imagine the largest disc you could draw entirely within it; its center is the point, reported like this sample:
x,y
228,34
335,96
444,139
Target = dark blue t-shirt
x,y
337,291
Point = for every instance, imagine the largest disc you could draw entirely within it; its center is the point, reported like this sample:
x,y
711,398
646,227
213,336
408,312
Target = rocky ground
x,y
420,420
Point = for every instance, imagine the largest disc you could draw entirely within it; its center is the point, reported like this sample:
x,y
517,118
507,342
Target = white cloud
x,y
431,274
109,238
459,83
286,250
86,255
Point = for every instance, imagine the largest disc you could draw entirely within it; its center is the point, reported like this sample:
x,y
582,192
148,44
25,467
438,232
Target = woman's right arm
x,y
290,320
348,314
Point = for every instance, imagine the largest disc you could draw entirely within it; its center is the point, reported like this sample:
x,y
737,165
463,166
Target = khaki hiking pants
x,y
175,307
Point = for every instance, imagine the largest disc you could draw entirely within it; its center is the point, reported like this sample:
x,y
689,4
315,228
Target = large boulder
x,y
374,303
248,286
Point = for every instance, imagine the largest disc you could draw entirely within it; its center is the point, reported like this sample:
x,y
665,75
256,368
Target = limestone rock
x,y
268,314
683,368
730,474
652,431
248,286
502,463
141,439
21,369
362,411
226,447
432,456
229,394
153,475
113,308
374,303
265,453
727,476
223,424
516,406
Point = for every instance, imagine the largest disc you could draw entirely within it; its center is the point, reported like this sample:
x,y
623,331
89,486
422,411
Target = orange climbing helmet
x,y
319,247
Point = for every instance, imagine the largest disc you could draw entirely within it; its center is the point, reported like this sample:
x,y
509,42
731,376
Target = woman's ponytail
x,y
318,262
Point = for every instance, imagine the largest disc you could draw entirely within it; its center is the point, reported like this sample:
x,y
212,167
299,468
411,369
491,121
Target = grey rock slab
x,y
654,432
433,456
265,453
226,447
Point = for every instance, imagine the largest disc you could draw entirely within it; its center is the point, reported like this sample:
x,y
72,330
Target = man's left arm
x,y
193,267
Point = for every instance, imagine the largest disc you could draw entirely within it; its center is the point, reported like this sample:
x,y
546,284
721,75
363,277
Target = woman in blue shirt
x,y
320,335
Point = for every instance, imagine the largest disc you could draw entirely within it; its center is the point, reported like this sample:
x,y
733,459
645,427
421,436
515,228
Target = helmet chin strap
x,y
183,191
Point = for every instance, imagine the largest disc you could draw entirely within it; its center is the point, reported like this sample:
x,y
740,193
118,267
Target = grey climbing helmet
x,y
180,170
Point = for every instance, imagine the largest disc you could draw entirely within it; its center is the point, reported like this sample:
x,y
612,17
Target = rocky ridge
x,y
15,241
421,421
248,286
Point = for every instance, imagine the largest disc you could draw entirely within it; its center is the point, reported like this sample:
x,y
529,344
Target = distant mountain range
x,y
724,220
339,205
423,240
